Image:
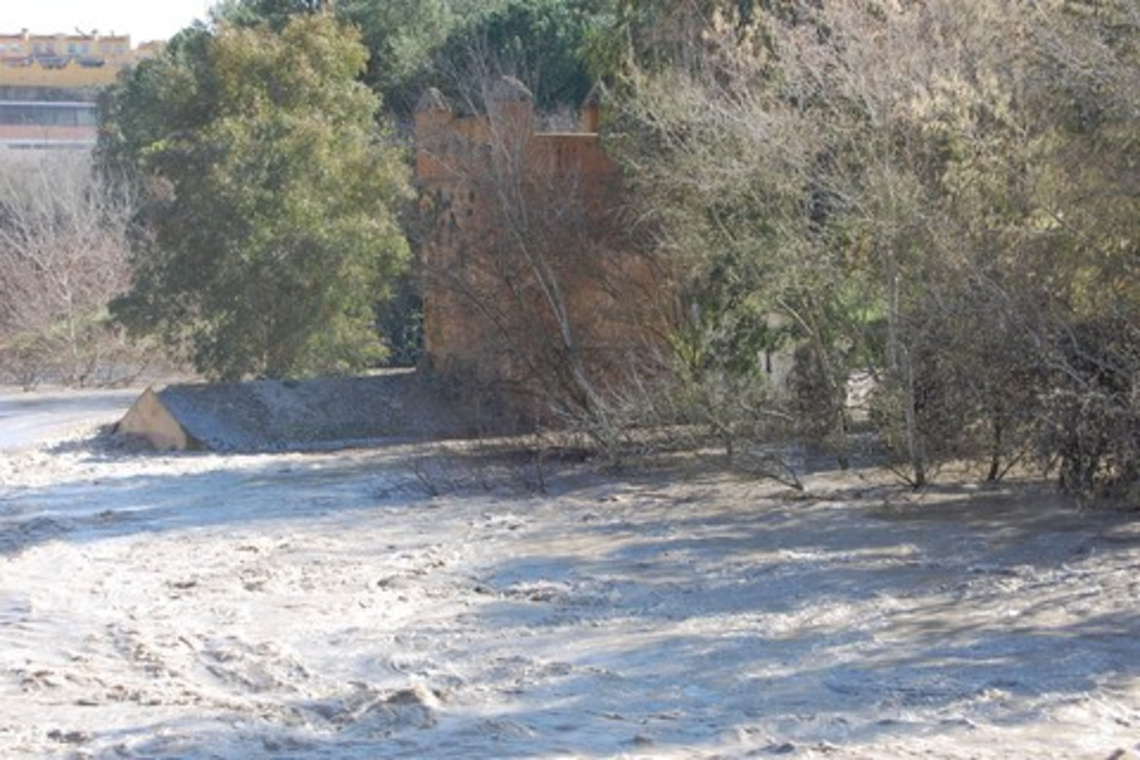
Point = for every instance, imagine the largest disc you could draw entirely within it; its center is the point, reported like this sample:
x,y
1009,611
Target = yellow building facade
x,y
49,84
72,61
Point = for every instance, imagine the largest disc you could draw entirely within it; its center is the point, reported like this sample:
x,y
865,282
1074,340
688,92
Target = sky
x,y
144,20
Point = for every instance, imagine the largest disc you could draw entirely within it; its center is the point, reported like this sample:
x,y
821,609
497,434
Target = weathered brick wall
x,y
530,276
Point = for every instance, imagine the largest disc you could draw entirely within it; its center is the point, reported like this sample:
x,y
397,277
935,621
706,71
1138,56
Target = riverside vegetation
x,y
937,196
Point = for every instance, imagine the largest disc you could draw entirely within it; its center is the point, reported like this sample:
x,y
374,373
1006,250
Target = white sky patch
x,y
144,20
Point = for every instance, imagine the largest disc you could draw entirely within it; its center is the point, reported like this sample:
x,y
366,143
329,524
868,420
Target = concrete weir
x,y
273,415
150,418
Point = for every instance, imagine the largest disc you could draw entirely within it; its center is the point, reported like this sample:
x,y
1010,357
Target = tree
x,y
63,256
538,42
942,193
1085,96
402,37
276,13
268,228
737,182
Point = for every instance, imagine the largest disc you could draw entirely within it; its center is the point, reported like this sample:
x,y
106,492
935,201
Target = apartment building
x,y
49,85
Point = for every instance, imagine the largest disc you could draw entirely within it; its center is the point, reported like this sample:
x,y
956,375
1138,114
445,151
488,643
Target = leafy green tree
x,y
402,37
539,42
276,13
733,170
269,224
414,44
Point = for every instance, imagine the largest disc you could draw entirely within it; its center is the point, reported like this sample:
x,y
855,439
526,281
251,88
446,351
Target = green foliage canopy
x,y
455,44
940,194
269,222
541,42
402,37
